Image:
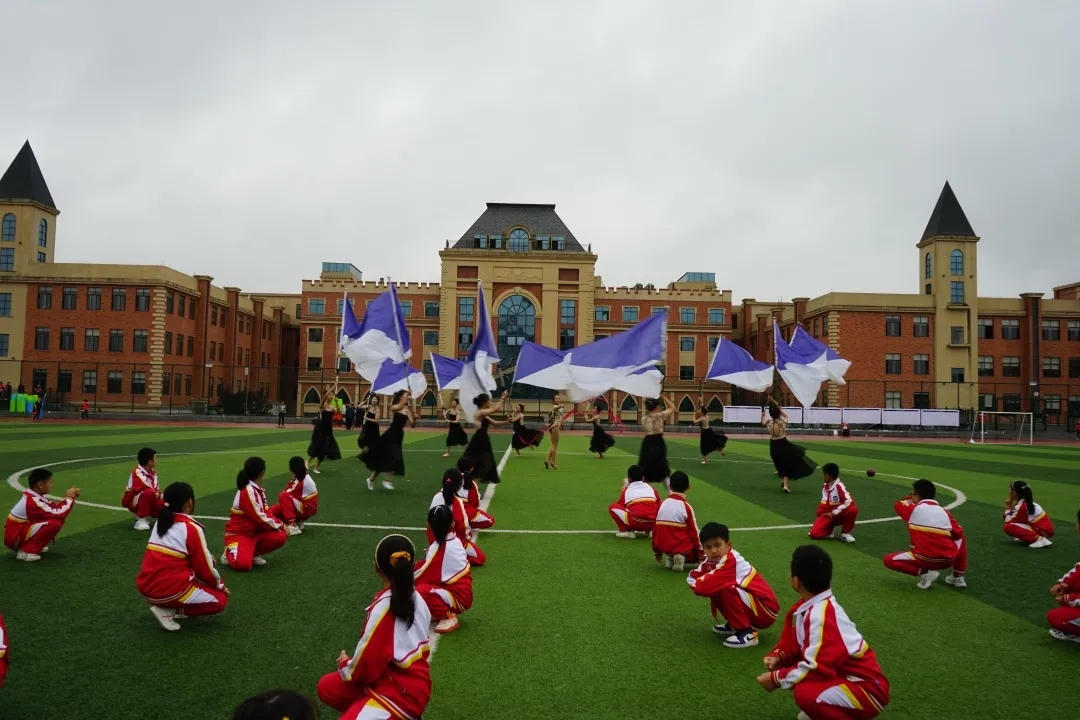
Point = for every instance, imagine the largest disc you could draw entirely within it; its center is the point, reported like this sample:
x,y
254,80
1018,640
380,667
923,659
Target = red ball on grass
x,y
871,472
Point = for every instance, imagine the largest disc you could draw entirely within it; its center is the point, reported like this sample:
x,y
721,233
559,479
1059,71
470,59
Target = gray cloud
x,y
792,148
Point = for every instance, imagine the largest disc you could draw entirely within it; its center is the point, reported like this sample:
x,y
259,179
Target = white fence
x,y
744,415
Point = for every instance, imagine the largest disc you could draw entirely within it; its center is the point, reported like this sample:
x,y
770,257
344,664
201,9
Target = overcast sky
x,y
792,148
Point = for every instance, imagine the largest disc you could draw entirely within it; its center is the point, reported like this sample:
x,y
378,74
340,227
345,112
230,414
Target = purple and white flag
x,y
803,374
447,372
734,365
836,366
476,376
382,335
393,376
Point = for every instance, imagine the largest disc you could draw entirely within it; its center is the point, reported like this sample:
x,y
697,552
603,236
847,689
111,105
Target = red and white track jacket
x,y
249,514
462,528
835,499
471,496
447,566
641,501
304,495
1035,517
709,578
676,530
31,509
172,563
934,531
391,660
140,479
3,652
1071,580
820,643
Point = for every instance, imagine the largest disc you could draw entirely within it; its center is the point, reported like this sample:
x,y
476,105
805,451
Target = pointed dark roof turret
x,y
948,217
24,181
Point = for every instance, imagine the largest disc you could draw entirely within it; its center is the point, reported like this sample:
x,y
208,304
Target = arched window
x,y
629,404
929,266
517,323
518,241
343,396
715,406
8,232
428,400
43,234
956,262
312,397
686,405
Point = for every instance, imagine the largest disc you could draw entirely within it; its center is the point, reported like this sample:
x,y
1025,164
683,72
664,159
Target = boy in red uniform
x,y
251,531
299,500
937,540
821,656
35,521
1065,620
837,508
737,591
143,494
444,577
675,534
635,511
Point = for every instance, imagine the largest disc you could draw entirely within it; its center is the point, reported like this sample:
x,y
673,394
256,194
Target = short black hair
x,y
39,475
831,470
813,567
679,481
146,455
713,530
924,489
635,473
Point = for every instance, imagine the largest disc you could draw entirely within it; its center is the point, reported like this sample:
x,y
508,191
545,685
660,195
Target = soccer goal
x,y
1014,428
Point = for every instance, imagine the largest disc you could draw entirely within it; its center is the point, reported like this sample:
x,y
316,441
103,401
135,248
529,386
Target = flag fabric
x,y
835,366
734,365
476,377
382,335
645,382
447,372
803,374
541,366
394,376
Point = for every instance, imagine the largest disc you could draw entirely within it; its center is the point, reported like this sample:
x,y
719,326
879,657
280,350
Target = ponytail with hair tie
x,y
394,560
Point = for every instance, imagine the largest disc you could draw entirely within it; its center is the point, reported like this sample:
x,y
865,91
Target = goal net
x,y
1014,428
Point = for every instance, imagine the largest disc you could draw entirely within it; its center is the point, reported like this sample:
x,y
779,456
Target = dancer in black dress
x,y
386,456
554,429
523,436
789,459
455,435
479,448
601,441
653,454
323,446
711,440
369,431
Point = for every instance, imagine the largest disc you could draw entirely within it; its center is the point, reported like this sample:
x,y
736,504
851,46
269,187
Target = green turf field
x,y
569,621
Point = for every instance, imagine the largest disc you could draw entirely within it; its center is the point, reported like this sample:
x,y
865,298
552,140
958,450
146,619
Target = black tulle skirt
x,y
386,456
479,449
369,436
323,446
526,437
455,435
790,459
653,458
711,441
601,441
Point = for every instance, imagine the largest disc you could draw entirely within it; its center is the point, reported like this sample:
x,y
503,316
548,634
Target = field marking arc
x,y
13,481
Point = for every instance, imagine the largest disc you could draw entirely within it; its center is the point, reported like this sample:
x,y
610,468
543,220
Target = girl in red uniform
x,y
299,500
142,495
35,520
444,578
837,508
478,519
388,676
449,496
1025,520
252,531
178,577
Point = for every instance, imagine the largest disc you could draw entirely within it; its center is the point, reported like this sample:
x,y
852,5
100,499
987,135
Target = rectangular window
x,y
247,357
1052,403
166,383
1074,330
986,366
713,342
91,339
116,341
957,375
1051,367
7,259
191,346
1074,367
93,298
1010,403
431,309
716,316
119,299
63,381
1010,329
115,382
213,315
956,292
224,317
179,345
315,334
140,340
41,338
5,304
41,257
987,402
956,335
406,307
1010,367
70,298
686,344
170,303
464,339
176,384
314,364
602,313
687,316
920,364
316,306
187,385
138,382
44,298
89,382
431,337
686,372
142,300
893,399
5,344
1051,330
567,312
168,343
986,328
629,314
566,338
892,363
466,309
922,400
343,365
67,338
660,309
181,308
213,350
892,326
427,368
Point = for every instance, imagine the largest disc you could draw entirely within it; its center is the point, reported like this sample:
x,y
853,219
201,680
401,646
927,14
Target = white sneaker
x,y
847,537
724,629
142,524
27,557
1041,543
667,562
292,530
164,616
802,716
1067,637
1018,540
44,549
370,484
742,640
629,534
448,625
316,471
677,562
258,560
957,581
300,525
224,559
927,579
387,485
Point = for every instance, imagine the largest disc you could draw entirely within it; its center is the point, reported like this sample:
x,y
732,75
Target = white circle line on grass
x,y
13,481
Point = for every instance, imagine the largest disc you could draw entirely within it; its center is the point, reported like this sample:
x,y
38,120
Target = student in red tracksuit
x,y
821,656
388,676
837,508
675,535
478,519
4,660
252,531
448,495
143,495
738,592
635,511
1025,520
937,540
178,577
35,520
444,577
299,501
1065,620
